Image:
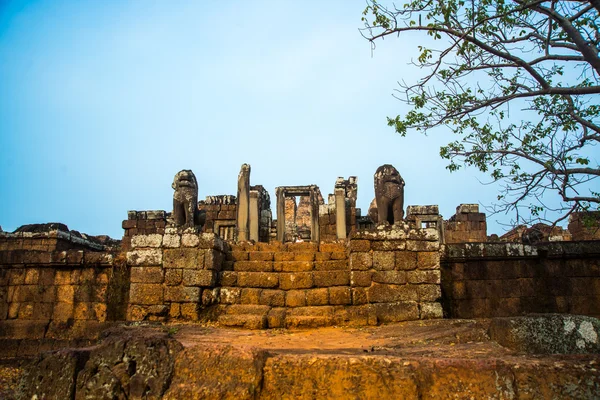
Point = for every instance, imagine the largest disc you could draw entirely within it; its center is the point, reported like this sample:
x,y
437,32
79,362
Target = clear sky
x,y
102,102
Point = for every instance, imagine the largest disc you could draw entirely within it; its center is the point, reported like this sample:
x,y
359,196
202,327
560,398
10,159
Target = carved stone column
x,y
314,216
243,206
280,214
253,215
340,212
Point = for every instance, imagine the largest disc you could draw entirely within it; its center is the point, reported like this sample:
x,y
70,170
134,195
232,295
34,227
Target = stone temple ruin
x,y
317,263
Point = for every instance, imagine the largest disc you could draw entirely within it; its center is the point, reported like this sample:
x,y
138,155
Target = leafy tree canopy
x,y
518,83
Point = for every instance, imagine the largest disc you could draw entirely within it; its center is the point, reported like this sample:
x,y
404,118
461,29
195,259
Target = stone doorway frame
x,y
312,191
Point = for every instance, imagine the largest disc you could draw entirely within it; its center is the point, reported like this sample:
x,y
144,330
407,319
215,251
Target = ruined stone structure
x,y
240,268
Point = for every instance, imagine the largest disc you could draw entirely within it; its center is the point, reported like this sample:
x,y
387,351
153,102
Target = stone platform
x,y
411,360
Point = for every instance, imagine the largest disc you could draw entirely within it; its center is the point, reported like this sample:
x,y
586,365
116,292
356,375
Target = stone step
x,y
246,321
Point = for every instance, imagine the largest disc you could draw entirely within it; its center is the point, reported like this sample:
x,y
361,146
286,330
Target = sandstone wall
x,y
483,280
49,296
468,225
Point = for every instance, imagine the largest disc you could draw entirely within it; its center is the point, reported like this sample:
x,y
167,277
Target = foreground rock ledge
x,y
419,359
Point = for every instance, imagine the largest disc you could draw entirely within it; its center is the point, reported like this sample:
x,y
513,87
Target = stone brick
x,y
146,275
99,311
429,292
393,277
323,256
431,310
428,260
145,257
26,311
302,246
228,278
136,312
284,256
361,261
396,312
173,276
333,247
340,295
317,297
191,258
239,256
229,295
359,296
189,311
213,259
182,294
195,277
333,265
62,277
422,245
304,256
17,277
406,260
258,279
32,276
384,260
82,311
358,245
62,312
175,310
427,276
260,256
276,318
297,280
295,298
388,245
339,256
274,246
153,240
65,293
74,257
384,293
361,278
146,293
293,266
253,266
171,241
331,278
273,298
43,311
250,296
189,240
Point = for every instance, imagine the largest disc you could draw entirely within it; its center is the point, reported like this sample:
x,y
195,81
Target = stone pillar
x,y
243,206
280,214
314,217
254,215
340,213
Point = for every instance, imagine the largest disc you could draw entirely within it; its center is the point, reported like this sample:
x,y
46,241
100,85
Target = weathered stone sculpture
x,y
389,195
243,206
185,200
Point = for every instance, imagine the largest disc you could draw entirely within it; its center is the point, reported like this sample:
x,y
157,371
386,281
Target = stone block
x,y
393,277
136,312
213,259
396,312
244,321
331,278
333,247
301,246
189,258
317,297
385,293
228,278
62,312
182,294
173,276
171,241
428,260
258,279
273,298
145,257
384,260
340,295
389,245
260,256
406,260
32,276
292,266
175,310
239,255
297,280
253,266
276,318
359,296
361,278
284,256
64,293
361,261
146,275
429,292
250,296
190,240
304,256
74,257
146,293
323,256
295,298
230,295
339,256
332,265
422,245
152,240
359,245
195,277
427,276
189,311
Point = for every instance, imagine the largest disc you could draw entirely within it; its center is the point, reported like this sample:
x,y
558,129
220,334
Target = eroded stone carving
x,y
185,200
389,195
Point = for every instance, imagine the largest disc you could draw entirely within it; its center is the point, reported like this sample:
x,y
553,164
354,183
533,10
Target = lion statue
x,y
389,195
185,200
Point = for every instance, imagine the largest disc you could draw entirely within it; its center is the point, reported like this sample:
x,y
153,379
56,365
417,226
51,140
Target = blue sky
x,y
102,102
